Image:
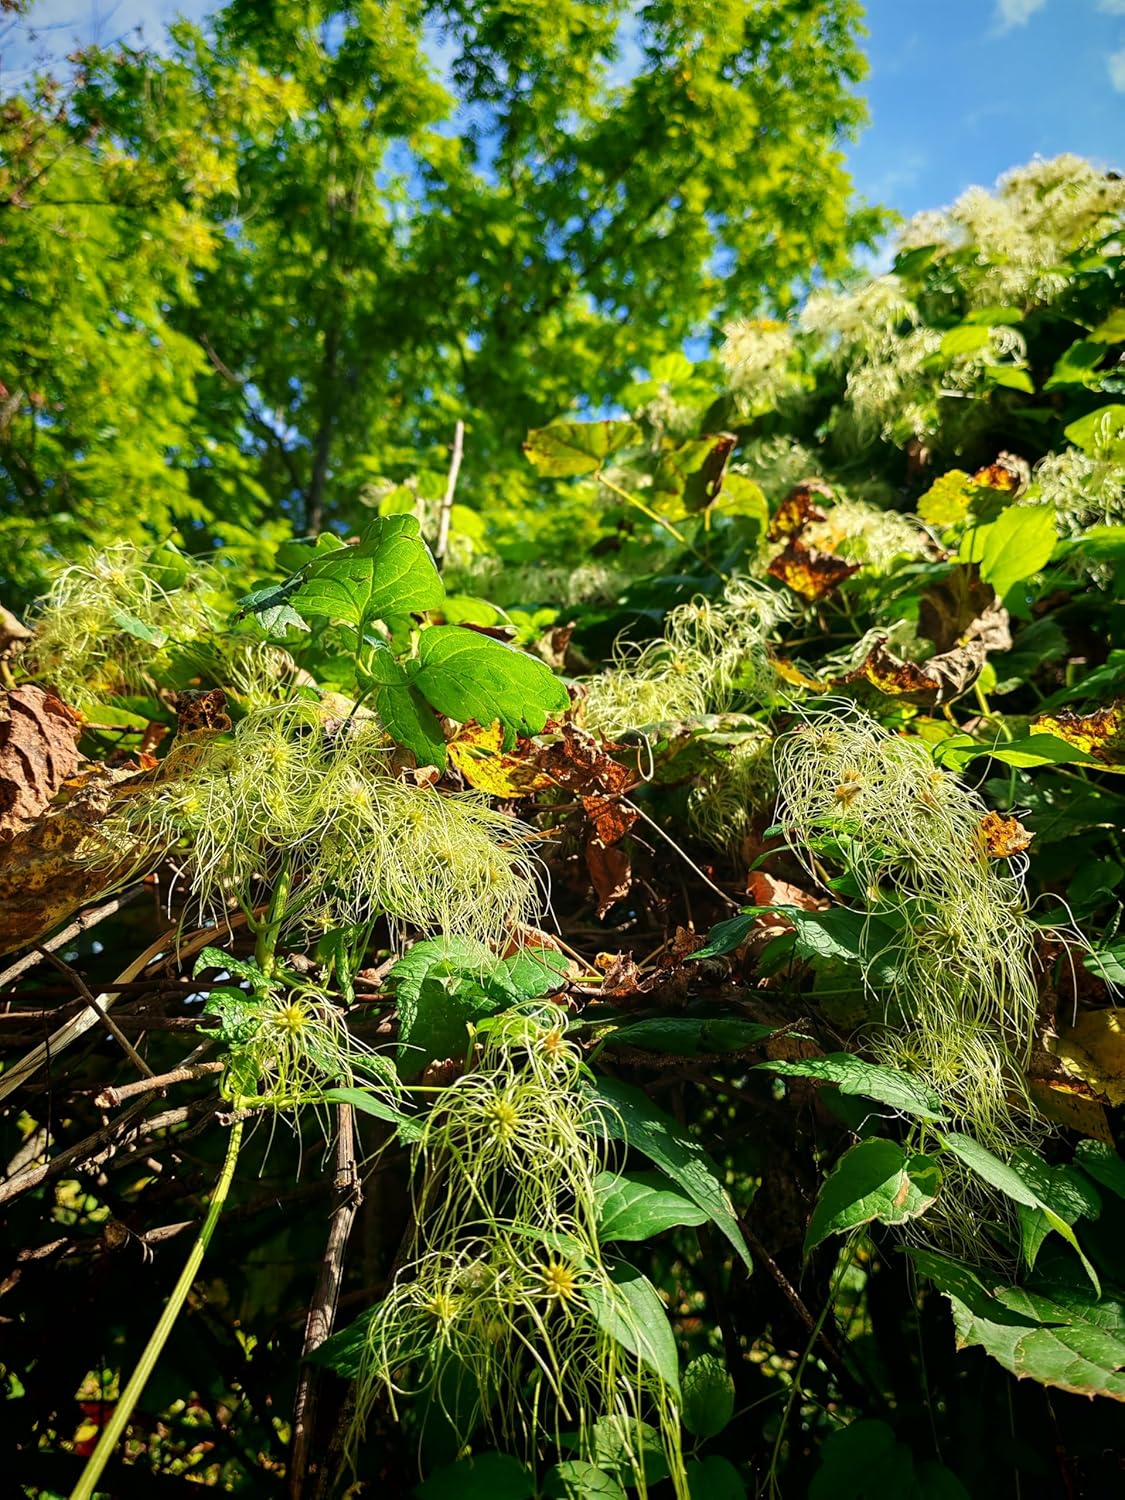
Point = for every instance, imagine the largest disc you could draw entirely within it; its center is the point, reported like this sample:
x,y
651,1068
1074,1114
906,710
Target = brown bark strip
x,y
322,1309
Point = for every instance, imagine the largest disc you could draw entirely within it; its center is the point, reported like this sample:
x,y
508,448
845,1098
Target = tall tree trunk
x,y
314,496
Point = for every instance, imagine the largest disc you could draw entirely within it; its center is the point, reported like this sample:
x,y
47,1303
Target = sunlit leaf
x,y
567,448
876,1179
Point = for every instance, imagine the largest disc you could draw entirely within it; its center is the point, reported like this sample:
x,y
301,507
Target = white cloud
x,y
1017,12
1112,7
1115,62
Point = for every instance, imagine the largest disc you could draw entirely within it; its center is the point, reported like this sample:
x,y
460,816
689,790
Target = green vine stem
x,y
844,1265
266,942
111,1433
654,515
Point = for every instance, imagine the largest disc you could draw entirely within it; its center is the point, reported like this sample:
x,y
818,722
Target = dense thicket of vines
x,y
639,1021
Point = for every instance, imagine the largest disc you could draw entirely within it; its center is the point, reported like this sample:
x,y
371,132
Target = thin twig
x,y
632,806
165,947
80,925
88,1149
447,499
107,1020
112,1098
32,1177
322,1309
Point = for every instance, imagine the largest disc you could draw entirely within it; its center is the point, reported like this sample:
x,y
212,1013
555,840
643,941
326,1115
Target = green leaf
x,y
637,1205
271,604
865,1461
995,315
347,1348
966,338
467,609
1033,750
727,935
634,1316
366,1103
694,472
485,1476
852,1075
533,972
409,719
910,262
1062,1189
845,936
947,500
296,555
441,985
244,968
1079,1345
1103,1164
857,1461
1107,963
1112,330
1011,377
575,1479
624,1448
567,448
1015,546
1077,365
1102,544
1100,433
874,1180
685,1036
714,1478
632,1117
838,934
468,676
137,628
741,496
390,572
957,1280
240,1015
1010,1180
708,1392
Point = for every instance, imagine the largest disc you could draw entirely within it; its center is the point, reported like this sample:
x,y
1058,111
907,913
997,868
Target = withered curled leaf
x,y
43,880
798,509
611,872
1093,1049
808,572
1002,837
38,751
942,678
578,763
949,606
1100,733
611,821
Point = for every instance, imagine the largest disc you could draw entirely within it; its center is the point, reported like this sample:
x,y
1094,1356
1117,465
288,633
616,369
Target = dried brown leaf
x,y
38,751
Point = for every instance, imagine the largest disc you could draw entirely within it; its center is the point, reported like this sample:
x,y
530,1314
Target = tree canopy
x,y
259,273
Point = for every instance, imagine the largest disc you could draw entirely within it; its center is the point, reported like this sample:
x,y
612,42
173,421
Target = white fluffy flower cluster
x,y
1085,490
757,354
1038,216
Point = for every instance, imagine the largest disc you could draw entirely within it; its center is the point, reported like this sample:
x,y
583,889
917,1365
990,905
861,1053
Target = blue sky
x,y
959,90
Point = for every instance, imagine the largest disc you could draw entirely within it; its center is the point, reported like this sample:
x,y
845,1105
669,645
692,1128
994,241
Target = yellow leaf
x,y
1093,1049
947,500
477,752
1101,733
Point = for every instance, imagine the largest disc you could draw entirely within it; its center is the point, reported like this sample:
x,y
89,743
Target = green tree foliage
x,y
99,388
268,270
